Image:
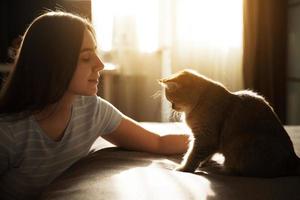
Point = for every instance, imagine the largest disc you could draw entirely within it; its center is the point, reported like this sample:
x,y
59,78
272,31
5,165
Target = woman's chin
x,y
93,92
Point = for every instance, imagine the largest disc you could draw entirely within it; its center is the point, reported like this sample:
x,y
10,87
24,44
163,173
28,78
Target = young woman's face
x,y
89,65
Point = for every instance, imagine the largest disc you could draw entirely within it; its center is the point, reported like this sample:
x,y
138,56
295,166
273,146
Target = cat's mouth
x,y
175,107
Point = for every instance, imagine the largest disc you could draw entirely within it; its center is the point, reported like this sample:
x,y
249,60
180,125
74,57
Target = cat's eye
x,y
172,86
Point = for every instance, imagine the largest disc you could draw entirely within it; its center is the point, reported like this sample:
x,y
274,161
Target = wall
x,y
16,15
133,92
293,102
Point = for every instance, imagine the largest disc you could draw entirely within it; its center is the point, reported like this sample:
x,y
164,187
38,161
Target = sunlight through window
x,y
215,23
126,23
135,23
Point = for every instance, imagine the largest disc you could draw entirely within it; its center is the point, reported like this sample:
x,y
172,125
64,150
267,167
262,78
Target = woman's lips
x,y
94,81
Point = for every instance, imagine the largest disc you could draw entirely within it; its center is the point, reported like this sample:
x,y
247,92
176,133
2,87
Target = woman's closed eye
x,y
86,57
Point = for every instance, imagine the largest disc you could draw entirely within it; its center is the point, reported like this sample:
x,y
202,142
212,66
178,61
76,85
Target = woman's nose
x,y
99,64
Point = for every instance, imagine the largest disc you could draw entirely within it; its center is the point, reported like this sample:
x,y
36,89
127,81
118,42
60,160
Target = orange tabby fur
x,y
240,125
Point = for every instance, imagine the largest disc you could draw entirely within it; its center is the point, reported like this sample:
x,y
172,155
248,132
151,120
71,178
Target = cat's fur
x,y
240,125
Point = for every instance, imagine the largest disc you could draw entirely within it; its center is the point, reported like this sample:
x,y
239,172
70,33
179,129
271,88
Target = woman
x,y
50,113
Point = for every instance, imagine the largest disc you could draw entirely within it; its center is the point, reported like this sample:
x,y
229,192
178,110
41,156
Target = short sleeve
x,y
109,116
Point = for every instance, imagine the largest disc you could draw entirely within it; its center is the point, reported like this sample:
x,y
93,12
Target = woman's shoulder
x,y
10,126
87,100
93,104
5,123
12,120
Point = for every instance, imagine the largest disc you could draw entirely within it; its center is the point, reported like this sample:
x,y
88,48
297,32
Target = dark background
x,y
16,15
265,59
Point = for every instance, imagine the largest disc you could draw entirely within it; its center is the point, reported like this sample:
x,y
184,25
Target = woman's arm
x,y
131,135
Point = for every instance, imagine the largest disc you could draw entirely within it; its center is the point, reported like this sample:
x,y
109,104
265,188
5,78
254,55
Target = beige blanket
x,y
110,173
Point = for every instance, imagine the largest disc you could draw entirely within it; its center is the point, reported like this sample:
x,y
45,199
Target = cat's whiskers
x,y
157,94
175,116
182,117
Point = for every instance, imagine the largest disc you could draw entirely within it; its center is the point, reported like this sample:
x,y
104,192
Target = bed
x,y
111,173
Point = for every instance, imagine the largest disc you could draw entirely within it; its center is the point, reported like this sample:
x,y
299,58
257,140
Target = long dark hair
x,y
45,64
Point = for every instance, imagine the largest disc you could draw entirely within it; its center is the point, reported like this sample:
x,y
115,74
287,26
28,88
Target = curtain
x,y
127,34
150,39
265,51
208,38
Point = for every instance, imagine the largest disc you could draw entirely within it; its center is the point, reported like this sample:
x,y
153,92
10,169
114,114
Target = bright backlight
x,y
216,23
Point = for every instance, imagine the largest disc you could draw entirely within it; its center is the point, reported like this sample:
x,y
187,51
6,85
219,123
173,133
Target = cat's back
x,y
248,96
252,104
252,111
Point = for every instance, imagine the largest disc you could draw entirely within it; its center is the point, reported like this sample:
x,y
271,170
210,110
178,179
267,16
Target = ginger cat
x,y
240,125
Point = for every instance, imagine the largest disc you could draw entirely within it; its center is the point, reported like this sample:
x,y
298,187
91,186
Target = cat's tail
x,y
298,168
294,166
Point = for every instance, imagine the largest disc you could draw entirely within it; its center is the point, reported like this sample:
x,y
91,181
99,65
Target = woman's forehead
x,y
88,42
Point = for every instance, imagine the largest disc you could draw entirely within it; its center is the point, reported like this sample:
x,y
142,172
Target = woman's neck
x,y
62,107
54,119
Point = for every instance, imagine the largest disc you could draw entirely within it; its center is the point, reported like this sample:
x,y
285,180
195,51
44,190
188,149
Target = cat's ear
x,y
169,85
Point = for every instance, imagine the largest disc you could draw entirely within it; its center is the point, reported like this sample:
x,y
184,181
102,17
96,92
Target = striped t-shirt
x,y
29,160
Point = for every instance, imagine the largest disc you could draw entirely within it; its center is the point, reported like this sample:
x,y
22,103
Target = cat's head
x,y
183,89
